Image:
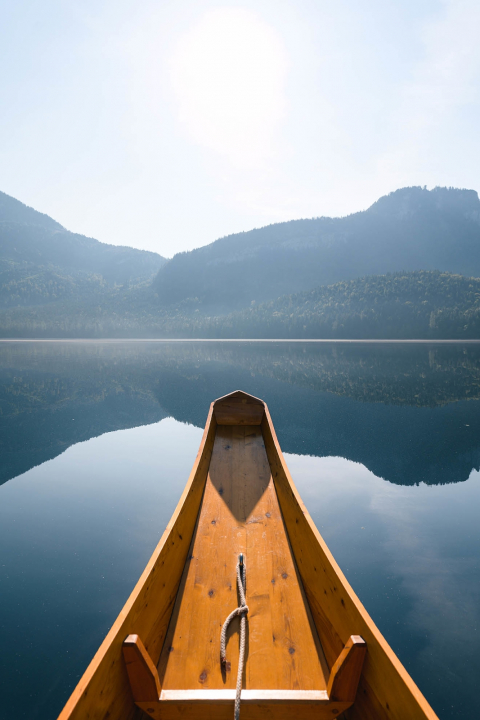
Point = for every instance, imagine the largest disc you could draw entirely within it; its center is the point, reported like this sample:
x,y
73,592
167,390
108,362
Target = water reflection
x,y
412,556
97,442
408,413
75,534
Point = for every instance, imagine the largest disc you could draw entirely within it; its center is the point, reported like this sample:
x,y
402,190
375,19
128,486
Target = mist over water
x,y
97,441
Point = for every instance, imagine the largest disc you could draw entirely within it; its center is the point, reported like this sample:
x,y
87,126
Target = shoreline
x,y
235,340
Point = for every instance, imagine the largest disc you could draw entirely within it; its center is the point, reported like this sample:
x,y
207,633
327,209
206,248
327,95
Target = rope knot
x,y
242,611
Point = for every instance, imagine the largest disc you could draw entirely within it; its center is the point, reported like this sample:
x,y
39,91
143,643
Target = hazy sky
x,y
165,125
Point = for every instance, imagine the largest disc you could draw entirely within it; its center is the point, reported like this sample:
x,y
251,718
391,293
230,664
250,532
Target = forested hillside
x,y
423,304
42,262
410,229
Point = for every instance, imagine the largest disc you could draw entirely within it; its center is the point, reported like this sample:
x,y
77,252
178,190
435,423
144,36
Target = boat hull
x,y
332,611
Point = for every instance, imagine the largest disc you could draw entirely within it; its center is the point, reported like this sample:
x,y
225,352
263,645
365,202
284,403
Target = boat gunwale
x,y
112,635
405,677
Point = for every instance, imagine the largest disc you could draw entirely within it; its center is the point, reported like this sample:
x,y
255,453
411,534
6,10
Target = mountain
x,y
410,229
54,283
14,211
41,261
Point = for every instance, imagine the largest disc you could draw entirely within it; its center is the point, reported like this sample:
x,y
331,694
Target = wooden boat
x,y
312,651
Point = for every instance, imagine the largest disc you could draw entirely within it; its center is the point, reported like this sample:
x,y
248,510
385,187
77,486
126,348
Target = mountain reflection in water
x,y
409,413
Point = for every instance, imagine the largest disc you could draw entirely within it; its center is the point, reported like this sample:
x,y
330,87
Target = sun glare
x,y
228,75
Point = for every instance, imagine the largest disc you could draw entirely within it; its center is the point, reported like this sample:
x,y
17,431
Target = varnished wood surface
x,y
386,691
142,673
251,709
346,670
238,408
240,513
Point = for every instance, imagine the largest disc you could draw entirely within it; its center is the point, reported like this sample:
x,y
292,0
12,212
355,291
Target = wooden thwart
x,y
217,703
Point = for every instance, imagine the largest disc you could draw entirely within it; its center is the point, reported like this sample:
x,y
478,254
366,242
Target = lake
x,y
96,444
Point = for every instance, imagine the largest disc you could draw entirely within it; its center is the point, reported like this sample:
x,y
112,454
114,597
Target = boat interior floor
x,y
240,513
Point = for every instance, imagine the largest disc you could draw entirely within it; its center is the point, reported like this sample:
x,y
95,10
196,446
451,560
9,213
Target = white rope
x,y
242,610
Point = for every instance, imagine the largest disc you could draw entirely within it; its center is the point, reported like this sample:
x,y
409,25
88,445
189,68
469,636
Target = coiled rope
x,y
242,610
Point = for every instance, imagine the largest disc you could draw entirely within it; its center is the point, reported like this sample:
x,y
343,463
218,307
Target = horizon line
x,y
250,340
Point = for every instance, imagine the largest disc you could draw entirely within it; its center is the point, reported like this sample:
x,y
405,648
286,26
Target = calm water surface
x,y
96,444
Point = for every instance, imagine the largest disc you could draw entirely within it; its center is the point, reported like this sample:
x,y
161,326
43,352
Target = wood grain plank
x,y
282,649
190,657
240,513
251,709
